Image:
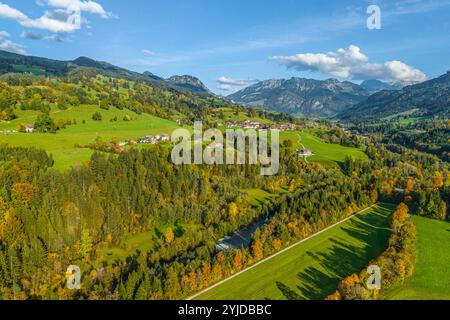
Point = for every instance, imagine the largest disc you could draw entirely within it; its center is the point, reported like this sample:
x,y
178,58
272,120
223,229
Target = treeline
x,y
396,263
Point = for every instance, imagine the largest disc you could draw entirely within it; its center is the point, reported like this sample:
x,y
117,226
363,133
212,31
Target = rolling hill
x,y
16,63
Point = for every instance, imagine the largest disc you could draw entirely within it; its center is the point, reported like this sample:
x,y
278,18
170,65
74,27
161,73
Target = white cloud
x,y
4,34
351,63
227,89
230,85
79,6
65,19
235,82
149,53
8,45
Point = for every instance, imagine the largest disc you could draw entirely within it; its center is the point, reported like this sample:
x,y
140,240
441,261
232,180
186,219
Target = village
x,y
149,139
248,124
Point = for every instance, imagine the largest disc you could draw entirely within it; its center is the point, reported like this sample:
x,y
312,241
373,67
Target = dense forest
x,y
429,135
50,220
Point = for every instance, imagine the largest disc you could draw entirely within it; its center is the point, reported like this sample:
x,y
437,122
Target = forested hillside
x,y
430,98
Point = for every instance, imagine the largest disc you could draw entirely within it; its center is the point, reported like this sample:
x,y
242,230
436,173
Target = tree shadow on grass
x,y
287,292
342,259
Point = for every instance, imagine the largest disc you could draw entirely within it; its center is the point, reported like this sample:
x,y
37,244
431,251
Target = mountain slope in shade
x,y
374,86
189,83
304,97
431,97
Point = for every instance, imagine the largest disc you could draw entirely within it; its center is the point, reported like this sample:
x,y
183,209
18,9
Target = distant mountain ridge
x,y
374,86
12,62
303,97
190,83
431,97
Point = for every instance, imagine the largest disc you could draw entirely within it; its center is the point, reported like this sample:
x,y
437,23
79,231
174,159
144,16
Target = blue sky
x,y
230,44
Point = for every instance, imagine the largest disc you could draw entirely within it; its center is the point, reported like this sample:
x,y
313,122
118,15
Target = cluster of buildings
x,y
248,124
147,140
303,153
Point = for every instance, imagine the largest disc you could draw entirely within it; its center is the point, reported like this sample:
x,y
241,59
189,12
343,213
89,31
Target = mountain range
x,y
371,100
342,100
374,86
302,97
428,98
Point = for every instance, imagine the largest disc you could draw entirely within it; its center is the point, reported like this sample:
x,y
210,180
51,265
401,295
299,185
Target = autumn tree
x,y
233,209
257,249
169,235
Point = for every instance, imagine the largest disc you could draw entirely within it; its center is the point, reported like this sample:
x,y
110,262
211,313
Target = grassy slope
x,y
431,279
313,269
324,153
61,144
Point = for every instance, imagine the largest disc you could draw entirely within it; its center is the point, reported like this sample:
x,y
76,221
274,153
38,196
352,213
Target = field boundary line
x,y
278,253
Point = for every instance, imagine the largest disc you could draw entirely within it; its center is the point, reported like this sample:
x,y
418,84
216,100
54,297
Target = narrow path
x,y
278,253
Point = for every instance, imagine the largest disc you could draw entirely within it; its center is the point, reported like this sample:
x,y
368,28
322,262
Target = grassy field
x,y
258,196
431,279
313,269
62,144
143,242
325,153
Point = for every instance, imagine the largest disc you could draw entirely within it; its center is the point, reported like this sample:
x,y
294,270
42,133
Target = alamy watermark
x,y
235,150
374,280
374,20
73,276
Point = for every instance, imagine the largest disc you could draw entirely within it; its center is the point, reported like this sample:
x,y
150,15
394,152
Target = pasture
x,y
62,144
313,269
430,280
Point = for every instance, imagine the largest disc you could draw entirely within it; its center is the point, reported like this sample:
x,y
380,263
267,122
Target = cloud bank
x,y
352,64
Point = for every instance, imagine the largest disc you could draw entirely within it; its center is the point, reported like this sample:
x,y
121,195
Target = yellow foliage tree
x,y
438,180
169,235
233,209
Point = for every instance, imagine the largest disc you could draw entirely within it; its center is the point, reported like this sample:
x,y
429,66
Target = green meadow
x,y
62,144
313,269
325,153
430,280
142,242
